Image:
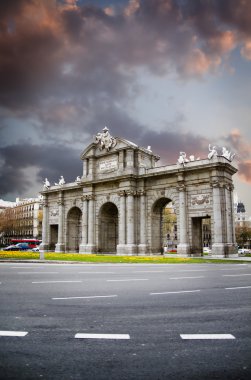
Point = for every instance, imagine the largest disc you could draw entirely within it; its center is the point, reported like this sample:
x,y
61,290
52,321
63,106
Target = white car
x,y
36,249
242,251
207,250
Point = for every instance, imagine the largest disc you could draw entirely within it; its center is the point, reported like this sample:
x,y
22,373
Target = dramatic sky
x,y
173,74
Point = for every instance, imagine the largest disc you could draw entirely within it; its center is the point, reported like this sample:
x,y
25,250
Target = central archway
x,y
108,228
164,226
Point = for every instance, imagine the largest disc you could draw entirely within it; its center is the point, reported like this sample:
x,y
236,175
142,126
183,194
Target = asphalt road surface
x,y
128,321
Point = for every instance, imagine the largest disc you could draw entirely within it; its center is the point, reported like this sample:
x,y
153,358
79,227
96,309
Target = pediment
x,y
105,145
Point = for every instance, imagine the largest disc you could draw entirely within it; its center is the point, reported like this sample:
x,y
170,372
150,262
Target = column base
x,y
87,248
142,249
224,250
127,249
44,247
183,249
60,247
232,250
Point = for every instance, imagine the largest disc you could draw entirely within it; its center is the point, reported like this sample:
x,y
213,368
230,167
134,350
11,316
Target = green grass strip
x,y
99,258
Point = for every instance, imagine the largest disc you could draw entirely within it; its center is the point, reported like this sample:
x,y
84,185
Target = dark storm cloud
x,y
50,49
18,159
73,67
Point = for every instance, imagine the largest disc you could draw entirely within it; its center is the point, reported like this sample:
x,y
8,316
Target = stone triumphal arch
x,y
122,201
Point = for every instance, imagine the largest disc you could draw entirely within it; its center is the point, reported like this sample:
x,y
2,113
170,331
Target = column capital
x,y
181,186
215,183
131,192
60,202
141,193
88,197
44,202
121,193
229,186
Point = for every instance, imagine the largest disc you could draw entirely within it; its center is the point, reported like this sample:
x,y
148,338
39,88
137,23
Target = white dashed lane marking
x,y
129,279
102,336
239,287
236,275
207,336
53,282
13,333
37,272
181,278
85,297
95,272
175,292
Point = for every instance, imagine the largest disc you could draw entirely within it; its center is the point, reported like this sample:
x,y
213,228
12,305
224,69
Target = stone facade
x,y
116,206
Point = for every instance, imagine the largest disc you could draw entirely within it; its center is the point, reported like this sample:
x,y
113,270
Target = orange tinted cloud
x,y
246,50
245,171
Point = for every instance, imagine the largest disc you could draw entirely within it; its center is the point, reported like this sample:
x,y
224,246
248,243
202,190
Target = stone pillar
x,y
231,244
218,246
183,246
91,169
60,246
91,224
85,167
142,244
131,247
44,246
122,223
121,160
83,245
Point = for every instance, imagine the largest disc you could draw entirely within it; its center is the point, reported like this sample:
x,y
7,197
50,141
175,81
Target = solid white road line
x,y
129,279
236,275
181,278
239,287
176,292
72,298
102,336
52,282
13,333
207,336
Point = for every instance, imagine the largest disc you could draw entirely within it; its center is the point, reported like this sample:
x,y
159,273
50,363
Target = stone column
x,y
122,222
121,160
130,223
142,244
82,247
85,167
218,246
60,246
44,246
231,245
183,246
91,168
91,244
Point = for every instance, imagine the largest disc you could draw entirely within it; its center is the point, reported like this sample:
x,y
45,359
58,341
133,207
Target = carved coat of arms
x,y
105,140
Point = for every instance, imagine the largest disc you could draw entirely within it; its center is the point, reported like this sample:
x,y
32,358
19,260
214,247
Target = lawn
x,y
99,258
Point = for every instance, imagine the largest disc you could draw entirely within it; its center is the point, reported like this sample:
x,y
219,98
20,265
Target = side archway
x,y
108,228
74,223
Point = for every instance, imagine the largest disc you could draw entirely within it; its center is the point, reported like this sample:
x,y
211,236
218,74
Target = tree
x,y
243,235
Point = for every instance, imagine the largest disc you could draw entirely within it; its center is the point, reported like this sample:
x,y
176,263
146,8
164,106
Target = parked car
x,y
17,247
36,249
12,247
243,251
207,250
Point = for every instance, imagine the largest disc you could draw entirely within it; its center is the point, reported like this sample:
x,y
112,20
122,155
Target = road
x,y
128,321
